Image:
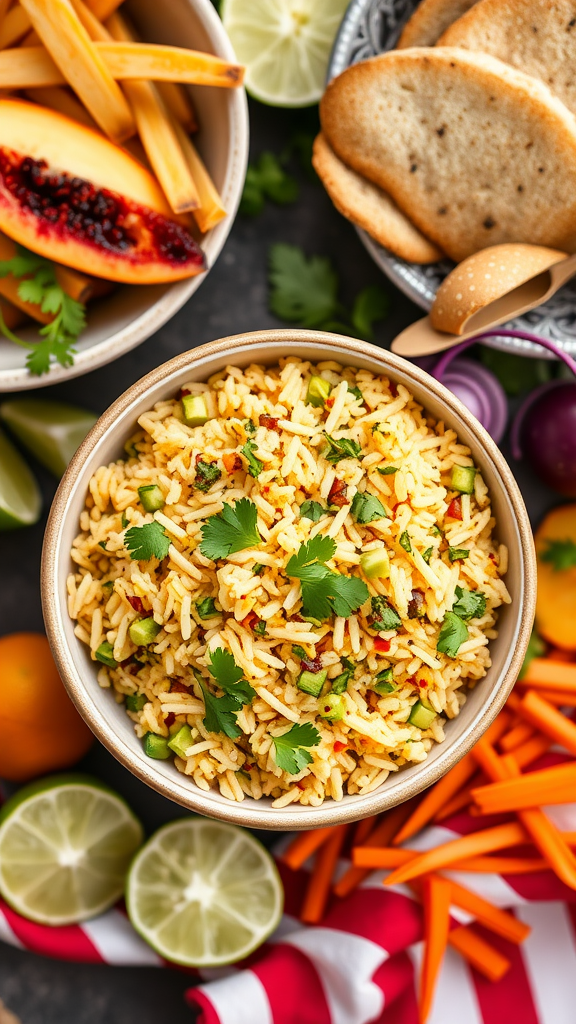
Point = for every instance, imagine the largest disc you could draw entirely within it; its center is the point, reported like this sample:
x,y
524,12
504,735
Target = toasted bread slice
x,y
430,19
473,151
370,208
536,36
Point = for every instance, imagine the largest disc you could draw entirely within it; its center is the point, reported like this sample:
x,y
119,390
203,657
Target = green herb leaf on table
x,y
312,510
366,508
452,635
232,529
290,750
343,448
323,591
471,604
146,542
560,554
384,616
267,179
371,304
255,465
207,473
302,290
229,676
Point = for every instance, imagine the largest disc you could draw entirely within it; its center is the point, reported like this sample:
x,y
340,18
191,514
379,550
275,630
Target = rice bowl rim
x,y
108,720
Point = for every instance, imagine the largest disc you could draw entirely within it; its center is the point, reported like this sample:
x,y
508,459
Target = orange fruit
x,y
40,729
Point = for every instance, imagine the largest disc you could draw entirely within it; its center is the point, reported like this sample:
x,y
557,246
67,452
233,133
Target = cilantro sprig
x,y
325,592
232,529
341,448
367,507
220,712
384,616
471,604
146,542
255,465
290,750
452,635
41,288
267,179
560,554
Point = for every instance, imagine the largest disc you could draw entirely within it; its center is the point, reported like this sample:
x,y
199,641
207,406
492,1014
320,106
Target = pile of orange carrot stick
x,y
496,777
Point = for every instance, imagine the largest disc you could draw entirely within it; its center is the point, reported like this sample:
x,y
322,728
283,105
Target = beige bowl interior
x,y
105,444
132,313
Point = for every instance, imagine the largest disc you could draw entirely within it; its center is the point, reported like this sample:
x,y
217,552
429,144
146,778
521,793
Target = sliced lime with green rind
x,y
20,498
52,431
66,843
285,45
204,893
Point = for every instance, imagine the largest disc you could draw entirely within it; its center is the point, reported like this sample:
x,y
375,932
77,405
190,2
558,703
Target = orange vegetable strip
x,y
14,25
441,857
479,953
522,732
320,882
531,750
56,97
12,316
168,64
459,802
179,104
364,828
489,761
548,720
436,894
376,857
304,845
557,675
103,8
211,208
92,24
381,836
436,797
501,865
499,921
555,785
28,68
559,698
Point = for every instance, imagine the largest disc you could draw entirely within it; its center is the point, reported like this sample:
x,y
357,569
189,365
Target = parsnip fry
x,y
28,68
179,104
14,26
103,8
57,98
211,210
83,65
168,64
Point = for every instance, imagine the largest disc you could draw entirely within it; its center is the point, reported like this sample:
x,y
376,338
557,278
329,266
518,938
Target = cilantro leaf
x,y
456,554
471,604
356,392
267,179
255,465
220,712
384,616
366,507
560,554
302,290
260,628
325,592
371,304
206,608
405,542
536,649
207,473
452,635
146,542
427,555
387,470
229,676
289,749
312,510
232,529
343,448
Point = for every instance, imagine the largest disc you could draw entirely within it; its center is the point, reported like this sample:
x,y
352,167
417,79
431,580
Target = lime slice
x,y
285,45
20,498
52,431
65,846
203,893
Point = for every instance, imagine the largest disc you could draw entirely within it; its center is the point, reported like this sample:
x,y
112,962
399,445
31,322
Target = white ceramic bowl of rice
x,y
186,614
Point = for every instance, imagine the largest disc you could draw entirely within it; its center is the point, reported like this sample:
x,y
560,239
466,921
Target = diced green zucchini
x,y
375,564
384,682
340,684
151,497
463,479
195,410
332,707
156,747
318,391
421,716
144,631
135,701
105,654
181,740
312,682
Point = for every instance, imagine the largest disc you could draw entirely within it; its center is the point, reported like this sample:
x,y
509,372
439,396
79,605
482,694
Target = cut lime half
x,y
52,431
285,45
20,498
65,846
203,893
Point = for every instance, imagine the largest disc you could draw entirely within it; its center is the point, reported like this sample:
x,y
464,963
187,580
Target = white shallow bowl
x,y
105,444
132,313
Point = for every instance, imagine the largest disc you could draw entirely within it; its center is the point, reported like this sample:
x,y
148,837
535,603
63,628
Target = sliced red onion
x,y
478,389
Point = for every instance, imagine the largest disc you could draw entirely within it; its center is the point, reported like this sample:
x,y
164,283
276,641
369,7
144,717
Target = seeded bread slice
x,y
473,151
536,36
370,208
430,19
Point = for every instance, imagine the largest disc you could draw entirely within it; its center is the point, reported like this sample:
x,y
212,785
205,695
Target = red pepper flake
x,y
454,510
136,604
329,403
312,665
176,686
170,719
266,488
279,512
338,746
382,645
422,684
232,462
250,620
493,558
183,392
337,495
270,422
248,767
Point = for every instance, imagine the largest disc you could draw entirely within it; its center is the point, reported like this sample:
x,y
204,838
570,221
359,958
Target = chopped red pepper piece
x,y
232,462
250,620
136,604
338,746
270,422
170,719
337,495
382,645
454,510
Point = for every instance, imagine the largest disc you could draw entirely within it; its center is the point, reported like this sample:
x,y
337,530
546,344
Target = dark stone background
x,y
233,299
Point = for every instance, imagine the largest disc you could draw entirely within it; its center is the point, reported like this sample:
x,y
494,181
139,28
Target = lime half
x,y
285,45
65,846
20,498
203,893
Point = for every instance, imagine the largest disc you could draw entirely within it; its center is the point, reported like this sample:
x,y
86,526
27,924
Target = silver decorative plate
x,y
370,27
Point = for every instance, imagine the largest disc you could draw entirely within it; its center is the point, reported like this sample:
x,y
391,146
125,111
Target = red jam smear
x,y
97,216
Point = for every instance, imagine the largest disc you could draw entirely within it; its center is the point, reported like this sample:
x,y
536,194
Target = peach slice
x,y
71,195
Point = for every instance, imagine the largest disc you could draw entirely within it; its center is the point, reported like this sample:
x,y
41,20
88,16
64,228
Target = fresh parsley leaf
x,y
260,628
255,465
267,179
206,608
325,592
289,749
220,712
229,676
471,604
387,470
427,555
452,635
456,554
146,542
560,554
357,393
366,507
370,305
536,649
343,448
384,616
232,529
312,510
207,473
405,542
302,290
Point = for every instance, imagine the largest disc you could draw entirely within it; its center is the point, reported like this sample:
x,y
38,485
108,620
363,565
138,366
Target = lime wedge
x,y
285,45
65,846
52,431
203,893
20,498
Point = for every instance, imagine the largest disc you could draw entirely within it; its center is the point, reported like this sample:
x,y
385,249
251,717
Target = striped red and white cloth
x,y
361,964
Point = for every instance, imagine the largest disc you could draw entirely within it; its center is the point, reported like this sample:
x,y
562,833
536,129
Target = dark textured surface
x,y
233,299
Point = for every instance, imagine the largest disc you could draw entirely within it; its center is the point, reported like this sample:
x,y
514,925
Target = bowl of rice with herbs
x,y
285,565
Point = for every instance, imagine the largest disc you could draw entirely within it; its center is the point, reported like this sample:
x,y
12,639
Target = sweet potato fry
x,y
211,209
64,101
28,68
179,104
14,26
103,8
168,64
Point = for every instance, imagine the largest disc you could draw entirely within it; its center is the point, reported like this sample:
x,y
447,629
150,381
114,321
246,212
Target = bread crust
x,y
430,19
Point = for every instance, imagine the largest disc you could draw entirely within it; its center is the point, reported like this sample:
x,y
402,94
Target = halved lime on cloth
x,y
20,498
285,45
203,893
65,846
52,431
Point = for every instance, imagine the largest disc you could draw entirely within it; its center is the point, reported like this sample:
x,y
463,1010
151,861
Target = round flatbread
x,y
430,19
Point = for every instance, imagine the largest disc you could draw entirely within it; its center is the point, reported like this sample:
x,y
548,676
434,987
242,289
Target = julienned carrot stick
x,y
442,857
103,8
377,857
557,675
489,760
555,785
303,846
320,882
460,801
521,732
435,798
479,953
436,893
363,829
381,836
502,865
559,698
548,720
499,921
531,750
